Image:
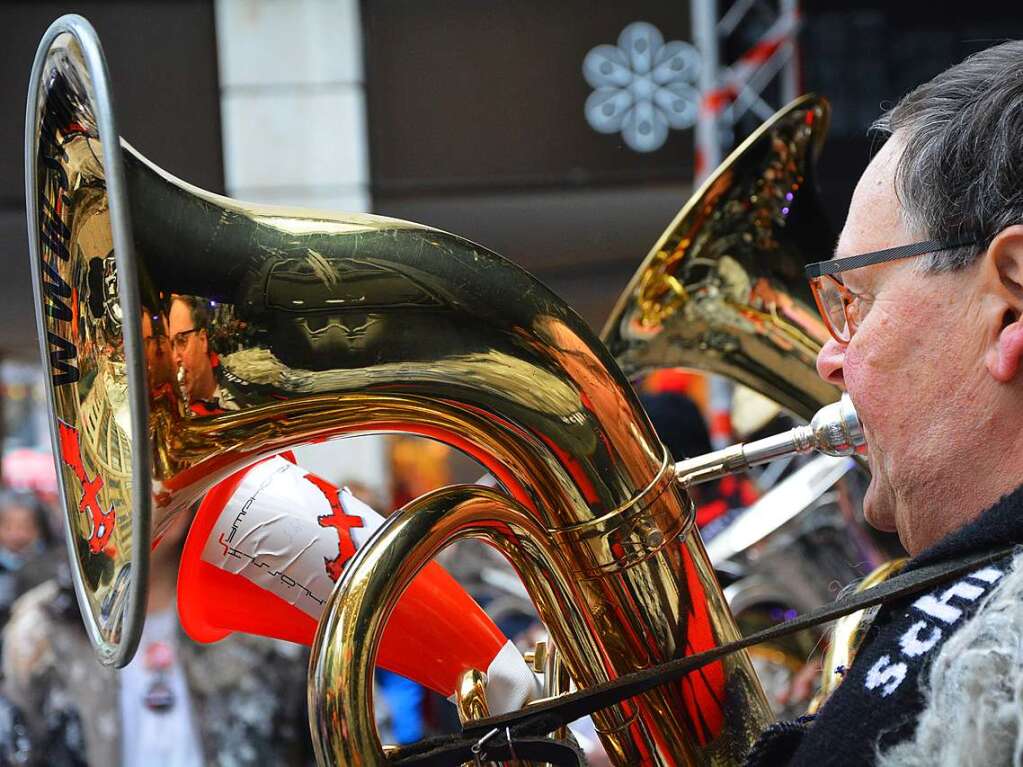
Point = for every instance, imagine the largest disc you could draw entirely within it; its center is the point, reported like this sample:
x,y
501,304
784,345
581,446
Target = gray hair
x,y
960,176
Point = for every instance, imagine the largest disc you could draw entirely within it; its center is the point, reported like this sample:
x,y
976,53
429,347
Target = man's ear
x,y
1004,278
205,341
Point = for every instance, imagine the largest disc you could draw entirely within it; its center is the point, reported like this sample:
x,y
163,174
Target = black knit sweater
x,y
879,701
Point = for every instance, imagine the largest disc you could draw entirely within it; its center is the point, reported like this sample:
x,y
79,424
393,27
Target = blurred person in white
x,y
237,702
157,721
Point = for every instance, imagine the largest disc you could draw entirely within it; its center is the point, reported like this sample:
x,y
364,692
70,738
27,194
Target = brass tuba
x,y
330,325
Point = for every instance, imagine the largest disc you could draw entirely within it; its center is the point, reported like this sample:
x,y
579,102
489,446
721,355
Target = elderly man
x,y
924,299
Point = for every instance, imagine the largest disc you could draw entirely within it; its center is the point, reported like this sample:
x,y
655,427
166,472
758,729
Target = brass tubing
x,y
345,647
347,640
471,696
835,430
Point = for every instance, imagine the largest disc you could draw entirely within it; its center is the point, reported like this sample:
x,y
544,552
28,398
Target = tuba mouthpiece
x,y
836,429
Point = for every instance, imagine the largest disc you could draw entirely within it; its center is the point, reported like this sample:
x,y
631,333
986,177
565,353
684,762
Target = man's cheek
x,y
864,395
872,388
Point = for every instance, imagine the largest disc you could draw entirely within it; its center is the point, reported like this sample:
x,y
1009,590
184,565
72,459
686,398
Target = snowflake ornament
x,y
642,86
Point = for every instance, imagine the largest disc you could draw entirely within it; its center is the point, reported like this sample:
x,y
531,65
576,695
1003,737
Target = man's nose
x,y
830,361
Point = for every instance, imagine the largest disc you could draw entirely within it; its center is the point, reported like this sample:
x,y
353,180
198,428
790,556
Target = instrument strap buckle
x,y
479,753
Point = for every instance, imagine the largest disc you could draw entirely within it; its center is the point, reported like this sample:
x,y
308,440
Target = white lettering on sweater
x,y
912,645
988,575
940,608
886,674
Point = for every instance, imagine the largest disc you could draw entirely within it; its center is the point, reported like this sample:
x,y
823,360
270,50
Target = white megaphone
x,y
262,556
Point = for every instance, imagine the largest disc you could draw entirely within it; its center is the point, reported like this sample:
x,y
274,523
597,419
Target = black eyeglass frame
x,y
836,265
180,339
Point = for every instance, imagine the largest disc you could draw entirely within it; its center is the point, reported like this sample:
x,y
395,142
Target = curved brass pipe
x,y
348,637
347,640
471,696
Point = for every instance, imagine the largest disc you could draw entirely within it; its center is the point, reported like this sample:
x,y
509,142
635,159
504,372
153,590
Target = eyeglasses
x,y
180,340
842,309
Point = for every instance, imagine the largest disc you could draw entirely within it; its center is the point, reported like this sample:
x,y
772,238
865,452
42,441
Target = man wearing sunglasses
x,y
924,302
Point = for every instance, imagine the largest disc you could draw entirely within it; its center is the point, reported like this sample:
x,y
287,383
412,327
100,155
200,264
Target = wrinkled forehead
x,y
875,220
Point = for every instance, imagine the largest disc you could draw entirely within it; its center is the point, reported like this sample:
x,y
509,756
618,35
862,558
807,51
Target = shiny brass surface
x,y
723,289
471,696
847,635
675,724
79,242
556,680
537,658
310,326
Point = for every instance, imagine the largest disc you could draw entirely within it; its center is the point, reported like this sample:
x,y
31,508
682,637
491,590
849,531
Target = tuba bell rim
x,y
119,652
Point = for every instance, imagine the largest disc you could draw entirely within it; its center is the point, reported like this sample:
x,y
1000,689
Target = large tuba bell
x,y
115,244
332,325
723,288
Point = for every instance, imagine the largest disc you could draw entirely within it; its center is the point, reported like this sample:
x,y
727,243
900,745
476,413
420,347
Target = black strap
x,y
450,751
533,722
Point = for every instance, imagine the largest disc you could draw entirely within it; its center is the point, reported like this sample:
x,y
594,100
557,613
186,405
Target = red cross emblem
x,y
102,521
341,522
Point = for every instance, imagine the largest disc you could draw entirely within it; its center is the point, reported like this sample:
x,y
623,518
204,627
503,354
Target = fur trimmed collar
x,y
973,692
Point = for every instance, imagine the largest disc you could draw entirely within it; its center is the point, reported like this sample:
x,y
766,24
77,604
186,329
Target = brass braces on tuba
x,y
333,325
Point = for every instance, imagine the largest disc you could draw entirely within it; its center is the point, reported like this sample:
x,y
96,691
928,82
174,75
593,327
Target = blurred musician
x,y
194,357
240,701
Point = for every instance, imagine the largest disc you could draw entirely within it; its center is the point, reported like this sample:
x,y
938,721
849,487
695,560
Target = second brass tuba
x,y
723,289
